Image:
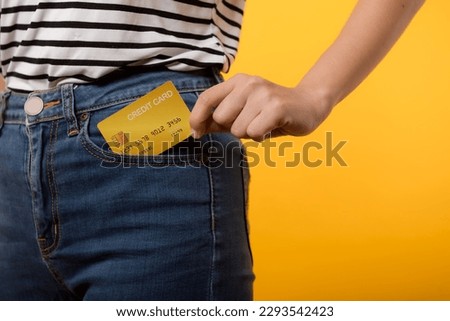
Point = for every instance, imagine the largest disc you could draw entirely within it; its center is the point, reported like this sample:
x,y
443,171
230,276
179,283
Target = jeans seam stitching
x,y
53,189
31,183
245,186
57,277
213,230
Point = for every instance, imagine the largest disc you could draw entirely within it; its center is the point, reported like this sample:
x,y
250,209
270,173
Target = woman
x,y
79,222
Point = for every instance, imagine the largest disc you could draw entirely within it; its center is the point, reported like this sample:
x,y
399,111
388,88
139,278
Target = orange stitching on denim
x,y
51,104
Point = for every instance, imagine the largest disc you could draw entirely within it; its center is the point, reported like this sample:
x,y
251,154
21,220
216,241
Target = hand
x,y
252,107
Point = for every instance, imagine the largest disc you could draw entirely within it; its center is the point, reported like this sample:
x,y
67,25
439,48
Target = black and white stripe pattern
x,y
47,43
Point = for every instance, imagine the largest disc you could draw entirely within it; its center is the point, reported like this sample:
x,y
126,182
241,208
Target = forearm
x,y
252,107
368,35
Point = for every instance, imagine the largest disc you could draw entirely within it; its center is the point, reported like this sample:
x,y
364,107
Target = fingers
x,y
201,119
260,127
241,123
243,105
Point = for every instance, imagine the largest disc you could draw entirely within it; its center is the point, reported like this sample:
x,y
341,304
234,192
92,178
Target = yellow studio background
x,y
378,229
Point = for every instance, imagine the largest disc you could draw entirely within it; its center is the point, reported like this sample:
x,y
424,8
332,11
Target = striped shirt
x,y
48,43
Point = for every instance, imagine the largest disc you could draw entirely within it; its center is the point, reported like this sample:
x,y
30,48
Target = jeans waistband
x,y
69,100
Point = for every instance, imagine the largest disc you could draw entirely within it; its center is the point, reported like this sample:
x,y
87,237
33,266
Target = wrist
x,y
319,97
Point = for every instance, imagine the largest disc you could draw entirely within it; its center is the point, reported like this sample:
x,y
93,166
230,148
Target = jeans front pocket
x,y
189,152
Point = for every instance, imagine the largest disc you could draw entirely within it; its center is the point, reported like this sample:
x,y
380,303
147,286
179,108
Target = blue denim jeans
x,y
78,222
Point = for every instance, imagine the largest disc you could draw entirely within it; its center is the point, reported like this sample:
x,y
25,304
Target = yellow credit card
x,y
150,125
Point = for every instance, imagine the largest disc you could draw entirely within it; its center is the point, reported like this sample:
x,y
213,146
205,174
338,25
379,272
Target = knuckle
x,y
276,101
204,99
255,81
245,80
277,107
220,118
241,77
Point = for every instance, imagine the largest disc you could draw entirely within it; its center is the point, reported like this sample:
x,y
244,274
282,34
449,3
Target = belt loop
x,y
3,108
69,110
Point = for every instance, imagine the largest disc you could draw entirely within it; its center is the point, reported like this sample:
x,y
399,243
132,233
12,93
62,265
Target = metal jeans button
x,y
33,106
